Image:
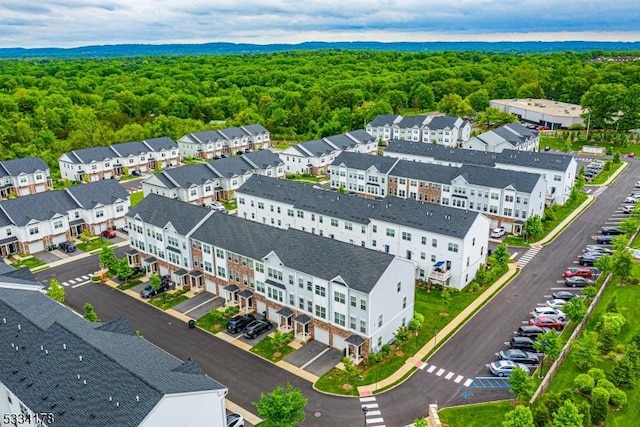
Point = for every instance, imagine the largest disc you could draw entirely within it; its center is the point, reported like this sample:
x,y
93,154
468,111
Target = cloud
x,y
33,23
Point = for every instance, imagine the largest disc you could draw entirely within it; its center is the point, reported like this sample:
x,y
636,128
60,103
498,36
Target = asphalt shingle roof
x,y
25,165
40,207
542,160
320,147
412,121
255,129
360,268
161,143
364,161
130,148
500,178
186,176
424,171
442,122
92,194
384,120
159,211
442,153
408,212
92,154
224,134
83,373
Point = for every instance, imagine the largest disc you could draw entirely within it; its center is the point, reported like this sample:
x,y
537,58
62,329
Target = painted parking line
x,y
490,382
440,372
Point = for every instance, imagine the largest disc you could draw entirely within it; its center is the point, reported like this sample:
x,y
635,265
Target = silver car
x,y
504,368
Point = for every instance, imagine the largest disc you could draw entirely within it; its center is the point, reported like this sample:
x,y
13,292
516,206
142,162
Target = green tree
x,y
601,104
496,116
519,417
575,309
55,291
479,100
599,405
453,105
585,410
548,343
534,226
90,313
622,264
567,416
107,258
585,350
420,422
283,406
122,269
501,254
521,384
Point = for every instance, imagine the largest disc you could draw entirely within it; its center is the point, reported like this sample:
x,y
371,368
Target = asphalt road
x,y
466,354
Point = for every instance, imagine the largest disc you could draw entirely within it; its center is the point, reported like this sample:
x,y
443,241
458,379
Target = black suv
x,y
531,331
238,323
149,292
257,327
67,247
522,343
611,231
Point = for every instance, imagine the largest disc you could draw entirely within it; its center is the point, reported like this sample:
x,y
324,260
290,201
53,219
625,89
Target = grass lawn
x,y
136,198
628,302
130,284
604,175
555,142
231,205
30,262
213,322
306,179
169,302
266,349
559,214
128,177
437,312
92,245
481,415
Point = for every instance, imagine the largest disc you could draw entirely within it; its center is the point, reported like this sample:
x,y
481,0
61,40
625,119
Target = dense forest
x,y
51,106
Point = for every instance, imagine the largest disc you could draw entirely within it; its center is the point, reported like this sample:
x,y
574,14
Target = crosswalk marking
x,y
85,277
440,372
528,256
449,375
431,368
367,399
458,379
374,420
370,405
422,366
65,283
72,280
468,382
373,413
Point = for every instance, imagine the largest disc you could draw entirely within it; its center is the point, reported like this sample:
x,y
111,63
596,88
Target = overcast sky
x,y
68,23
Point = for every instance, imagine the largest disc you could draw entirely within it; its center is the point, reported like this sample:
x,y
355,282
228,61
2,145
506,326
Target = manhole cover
x,y
317,414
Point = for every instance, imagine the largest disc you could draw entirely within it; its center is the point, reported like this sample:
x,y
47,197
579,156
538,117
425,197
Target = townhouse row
x,y
433,129
229,141
21,177
507,197
512,136
558,170
446,245
345,296
206,183
29,224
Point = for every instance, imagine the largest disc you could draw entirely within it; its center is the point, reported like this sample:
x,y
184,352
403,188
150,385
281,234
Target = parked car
x,y
580,272
503,368
556,303
238,323
598,248
611,231
637,184
548,312
604,240
522,343
217,206
256,328
631,199
547,322
496,233
531,331
589,258
138,270
136,173
109,234
235,420
565,295
577,281
519,356
125,229
149,292
67,247
628,209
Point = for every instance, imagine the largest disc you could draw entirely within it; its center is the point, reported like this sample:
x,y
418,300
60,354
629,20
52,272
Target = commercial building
x,y
543,112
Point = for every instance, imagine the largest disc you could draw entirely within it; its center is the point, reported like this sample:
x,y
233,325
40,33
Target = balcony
x,y
441,273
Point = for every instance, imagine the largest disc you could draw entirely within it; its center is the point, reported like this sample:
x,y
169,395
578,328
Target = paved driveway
x,y
49,256
199,305
305,353
315,357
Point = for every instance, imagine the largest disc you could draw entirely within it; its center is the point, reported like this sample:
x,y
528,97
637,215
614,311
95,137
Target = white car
x,y
556,303
628,209
637,184
548,312
631,199
498,232
217,206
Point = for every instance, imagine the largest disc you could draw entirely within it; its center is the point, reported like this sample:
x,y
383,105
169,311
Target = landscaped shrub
x,y
605,384
231,311
281,338
585,410
600,405
584,383
618,397
541,415
597,374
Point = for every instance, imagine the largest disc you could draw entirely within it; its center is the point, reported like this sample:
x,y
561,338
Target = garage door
x,y
41,188
339,342
59,239
273,316
210,286
321,335
36,247
261,307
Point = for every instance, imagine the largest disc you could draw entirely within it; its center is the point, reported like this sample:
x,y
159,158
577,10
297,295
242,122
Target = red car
x,y
109,234
547,322
580,272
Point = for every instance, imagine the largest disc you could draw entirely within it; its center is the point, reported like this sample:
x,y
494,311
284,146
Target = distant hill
x,y
129,50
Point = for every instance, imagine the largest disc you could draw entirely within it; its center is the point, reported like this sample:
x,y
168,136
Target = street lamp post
x,y
364,412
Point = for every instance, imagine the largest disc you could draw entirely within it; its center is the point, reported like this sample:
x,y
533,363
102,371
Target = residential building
x,y
96,163
558,170
20,177
433,129
353,299
513,136
507,197
211,144
206,183
313,157
543,112
32,223
72,373
446,245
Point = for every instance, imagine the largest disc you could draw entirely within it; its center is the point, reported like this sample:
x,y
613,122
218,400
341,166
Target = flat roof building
x,y
543,112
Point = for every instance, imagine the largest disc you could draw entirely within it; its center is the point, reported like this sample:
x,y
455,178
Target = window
x,y
353,301
406,236
119,208
363,304
300,214
434,243
291,279
391,232
399,286
334,222
33,231
508,198
557,177
301,303
321,312
259,267
99,213
301,283
321,290
363,326
338,318
374,228
57,225
363,229
352,322
348,225
274,274
453,247
339,297
424,240
260,205
207,267
380,320
290,212
404,302
221,272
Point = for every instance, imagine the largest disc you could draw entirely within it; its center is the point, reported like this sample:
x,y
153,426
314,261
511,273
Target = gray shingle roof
x,y
39,207
514,133
542,160
442,153
161,143
92,194
25,165
408,212
231,166
263,158
443,122
317,147
127,149
205,136
412,121
364,161
360,268
224,134
424,171
233,132
384,120
255,129
500,178
93,154
186,176
159,211
112,367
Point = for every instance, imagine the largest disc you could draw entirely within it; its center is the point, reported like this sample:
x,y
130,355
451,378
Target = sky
x,y
71,23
